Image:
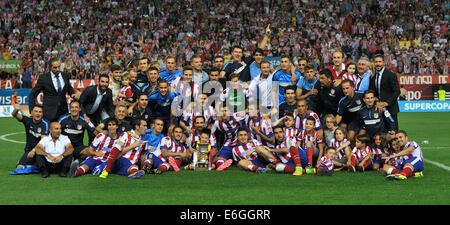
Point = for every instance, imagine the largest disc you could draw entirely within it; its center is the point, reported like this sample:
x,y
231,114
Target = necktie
x,y
257,95
377,83
58,83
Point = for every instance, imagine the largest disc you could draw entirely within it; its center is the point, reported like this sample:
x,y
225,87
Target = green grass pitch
x,y
234,186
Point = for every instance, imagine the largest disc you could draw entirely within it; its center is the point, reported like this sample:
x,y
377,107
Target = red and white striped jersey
x,y
189,117
361,153
263,126
337,144
184,89
240,151
291,132
397,161
169,144
352,77
105,143
301,121
229,129
377,153
304,137
287,143
128,138
417,150
325,161
126,90
336,74
193,138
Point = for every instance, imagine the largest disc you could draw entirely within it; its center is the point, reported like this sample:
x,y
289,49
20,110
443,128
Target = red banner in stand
x,y
79,85
7,84
419,87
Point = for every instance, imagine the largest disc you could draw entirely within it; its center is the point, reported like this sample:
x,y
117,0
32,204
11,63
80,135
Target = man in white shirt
x,y
261,88
54,152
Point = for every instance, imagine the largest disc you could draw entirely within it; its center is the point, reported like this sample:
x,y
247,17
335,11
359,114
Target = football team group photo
x,y
129,90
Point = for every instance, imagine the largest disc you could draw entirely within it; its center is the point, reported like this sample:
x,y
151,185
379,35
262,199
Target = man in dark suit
x,y
94,100
54,85
385,84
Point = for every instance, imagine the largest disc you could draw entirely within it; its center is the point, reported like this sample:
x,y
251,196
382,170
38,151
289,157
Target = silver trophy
x,y
203,153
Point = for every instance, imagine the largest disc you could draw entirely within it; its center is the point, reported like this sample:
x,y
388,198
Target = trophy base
x,y
202,167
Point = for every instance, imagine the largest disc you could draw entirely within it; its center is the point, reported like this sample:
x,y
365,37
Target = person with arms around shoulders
x,y
36,128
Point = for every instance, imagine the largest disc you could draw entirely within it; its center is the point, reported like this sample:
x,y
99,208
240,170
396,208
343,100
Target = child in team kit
x,y
342,148
351,73
325,168
197,157
125,94
379,150
288,122
310,141
289,129
392,164
361,154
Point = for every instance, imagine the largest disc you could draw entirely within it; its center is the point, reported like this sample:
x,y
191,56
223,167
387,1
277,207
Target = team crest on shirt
x,y
358,102
146,117
79,127
332,92
375,115
39,130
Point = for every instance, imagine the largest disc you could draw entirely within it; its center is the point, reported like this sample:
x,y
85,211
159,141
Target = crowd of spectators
x,y
90,35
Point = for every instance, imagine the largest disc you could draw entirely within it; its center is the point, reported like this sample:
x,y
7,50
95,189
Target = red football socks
x,y
80,172
310,152
396,171
115,153
289,169
163,167
295,155
407,171
133,170
219,162
252,168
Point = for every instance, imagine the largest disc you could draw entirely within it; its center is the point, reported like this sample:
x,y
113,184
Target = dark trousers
x,y
394,117
24,160
77,152
91,135
62,166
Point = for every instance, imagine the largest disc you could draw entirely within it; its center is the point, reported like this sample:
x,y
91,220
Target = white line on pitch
x,y
437,164
3,137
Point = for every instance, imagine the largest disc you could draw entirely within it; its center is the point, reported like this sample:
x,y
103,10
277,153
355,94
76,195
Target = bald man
x,y
54,152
